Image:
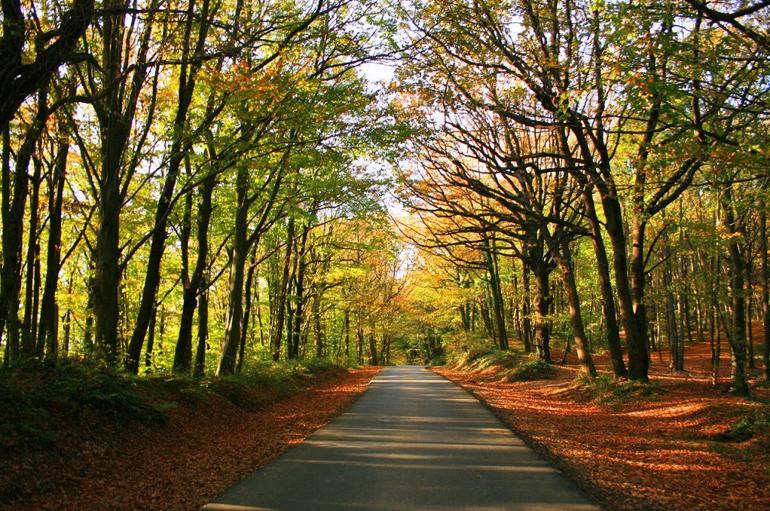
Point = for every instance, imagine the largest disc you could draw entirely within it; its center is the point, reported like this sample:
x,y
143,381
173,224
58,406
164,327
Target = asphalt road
x,y
413,441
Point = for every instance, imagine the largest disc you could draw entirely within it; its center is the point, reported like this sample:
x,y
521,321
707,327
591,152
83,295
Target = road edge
x,y
212,505
556,462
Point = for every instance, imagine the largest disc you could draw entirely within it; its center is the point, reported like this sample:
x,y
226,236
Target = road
x,y
413,441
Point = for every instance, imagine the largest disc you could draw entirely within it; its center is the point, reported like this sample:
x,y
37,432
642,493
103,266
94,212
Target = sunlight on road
x,y
414,441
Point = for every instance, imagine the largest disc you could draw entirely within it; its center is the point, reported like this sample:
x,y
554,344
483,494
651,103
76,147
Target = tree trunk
x,y
543,301
373,345
299,296
525,308
47,331
749,303
737,271
498,311
605,285
183,351
582,346
107,271
291,305
187,77
229,354
67,333
672,333
114,128
260,323
32,283
115,107
88,342
638,359
765,289
13,227
247,312
284,284
385,350
486,317
359,337
317,326
150,339
714,317
203,330
346,329
638,282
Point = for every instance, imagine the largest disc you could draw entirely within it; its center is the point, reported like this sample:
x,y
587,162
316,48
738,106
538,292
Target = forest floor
x,y
678,444
204,443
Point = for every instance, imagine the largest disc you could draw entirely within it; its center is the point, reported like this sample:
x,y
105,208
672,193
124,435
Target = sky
x,y
376,72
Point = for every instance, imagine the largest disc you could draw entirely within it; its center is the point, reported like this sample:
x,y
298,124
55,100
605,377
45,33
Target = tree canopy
x,y
188,186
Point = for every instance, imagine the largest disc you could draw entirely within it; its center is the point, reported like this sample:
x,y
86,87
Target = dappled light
x,y
658,452
205,446
413,441
222,218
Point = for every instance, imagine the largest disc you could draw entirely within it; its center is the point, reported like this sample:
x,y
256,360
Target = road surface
x,y
413,441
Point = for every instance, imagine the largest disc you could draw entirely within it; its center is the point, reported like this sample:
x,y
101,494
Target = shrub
x,y
317,365
532,369
479,359
264,383
746,427
438,359
33,394
605,389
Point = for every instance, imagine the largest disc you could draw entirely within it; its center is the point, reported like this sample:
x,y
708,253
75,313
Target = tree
x,y
53,46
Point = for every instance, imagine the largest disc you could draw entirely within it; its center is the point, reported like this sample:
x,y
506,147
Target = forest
x,y
222,191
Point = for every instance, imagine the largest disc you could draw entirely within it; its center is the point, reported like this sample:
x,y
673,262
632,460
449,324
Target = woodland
x,y
222,193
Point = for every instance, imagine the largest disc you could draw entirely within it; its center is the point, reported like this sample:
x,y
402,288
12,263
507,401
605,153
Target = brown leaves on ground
x,y
657,452
200,451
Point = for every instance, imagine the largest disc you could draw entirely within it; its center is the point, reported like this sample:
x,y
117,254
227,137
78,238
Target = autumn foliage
x,y
676,444
199,444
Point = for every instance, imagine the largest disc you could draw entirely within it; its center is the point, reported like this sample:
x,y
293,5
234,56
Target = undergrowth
x,y
606,390
38,400
512,365
480,359
33,395
745,428
438,359
532,369
264,383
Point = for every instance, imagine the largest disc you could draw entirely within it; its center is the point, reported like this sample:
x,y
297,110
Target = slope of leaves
x,y
206,442
684,445
35,396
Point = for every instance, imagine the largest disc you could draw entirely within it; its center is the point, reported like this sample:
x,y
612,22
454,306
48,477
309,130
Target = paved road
x,y
413,441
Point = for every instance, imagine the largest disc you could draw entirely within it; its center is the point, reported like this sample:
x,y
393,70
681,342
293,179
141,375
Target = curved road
x,y
413,441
